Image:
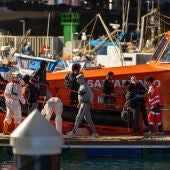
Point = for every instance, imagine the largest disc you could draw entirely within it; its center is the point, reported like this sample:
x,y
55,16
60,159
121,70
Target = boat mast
x,y
47,42
127,16
110,37
142,27
123,15
138,15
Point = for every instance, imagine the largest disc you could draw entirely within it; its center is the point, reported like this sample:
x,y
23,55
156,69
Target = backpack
x,y
67,81
125,115
34,76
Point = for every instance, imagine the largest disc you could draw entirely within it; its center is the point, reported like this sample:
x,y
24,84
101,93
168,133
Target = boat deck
x,y
123,141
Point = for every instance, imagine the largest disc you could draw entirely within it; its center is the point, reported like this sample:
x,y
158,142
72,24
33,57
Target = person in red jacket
x,y
154,115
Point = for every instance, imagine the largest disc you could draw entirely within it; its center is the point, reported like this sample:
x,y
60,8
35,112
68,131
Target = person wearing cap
x,y
73,85
141,89
85,99
108,89
132,104
30,93
54,105
13,96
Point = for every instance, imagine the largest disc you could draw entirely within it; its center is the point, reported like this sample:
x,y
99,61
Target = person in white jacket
x,y
54,105
13,96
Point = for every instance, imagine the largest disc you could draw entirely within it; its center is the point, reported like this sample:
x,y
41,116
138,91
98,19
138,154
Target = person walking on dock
x,y
13,96
54,105
85,98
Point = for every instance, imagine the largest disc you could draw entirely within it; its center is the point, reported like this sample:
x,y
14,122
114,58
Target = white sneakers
x,y
95,135
72,134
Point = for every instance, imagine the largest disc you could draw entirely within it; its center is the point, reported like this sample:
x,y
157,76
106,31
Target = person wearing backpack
x,y
71,83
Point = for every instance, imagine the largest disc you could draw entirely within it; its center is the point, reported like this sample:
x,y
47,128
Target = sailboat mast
x,y
138,15
123,15
46,44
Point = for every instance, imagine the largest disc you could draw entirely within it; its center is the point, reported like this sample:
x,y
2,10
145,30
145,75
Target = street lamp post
x,y
23,26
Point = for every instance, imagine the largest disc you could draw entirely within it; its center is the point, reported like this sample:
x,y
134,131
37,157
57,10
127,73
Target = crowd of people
x,y
28,89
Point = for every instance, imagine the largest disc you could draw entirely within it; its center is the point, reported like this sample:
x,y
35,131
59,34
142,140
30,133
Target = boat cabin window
x,y
166,55
158,50
61,65
24,63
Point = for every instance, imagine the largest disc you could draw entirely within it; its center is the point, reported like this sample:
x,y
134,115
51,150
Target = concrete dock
x,y
123,141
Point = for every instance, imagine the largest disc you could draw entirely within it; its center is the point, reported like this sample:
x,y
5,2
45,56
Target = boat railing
x,y
36,43
103,101
110,102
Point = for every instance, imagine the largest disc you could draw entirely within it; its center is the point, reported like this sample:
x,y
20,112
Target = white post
x,y
36,144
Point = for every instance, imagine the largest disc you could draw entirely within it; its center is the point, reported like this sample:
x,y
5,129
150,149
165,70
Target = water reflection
x,y
79,159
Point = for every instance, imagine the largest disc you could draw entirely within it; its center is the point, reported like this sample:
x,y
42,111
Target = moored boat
x,y
107,117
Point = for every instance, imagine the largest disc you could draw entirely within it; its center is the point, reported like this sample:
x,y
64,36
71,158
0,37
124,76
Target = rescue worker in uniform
x,y
13,96
54,105
154,115
156,105
85,98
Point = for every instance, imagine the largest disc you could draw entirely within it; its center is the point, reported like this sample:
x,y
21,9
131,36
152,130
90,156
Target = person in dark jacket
x,y
132,104
108,89
73,84
39,76
141,89
30,94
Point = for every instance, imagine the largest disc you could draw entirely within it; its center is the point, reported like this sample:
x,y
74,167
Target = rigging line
x,y
79,33
83,30
164,21
164,16
109,35
95,18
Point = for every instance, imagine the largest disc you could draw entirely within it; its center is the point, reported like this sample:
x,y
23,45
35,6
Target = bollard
x,y
36,144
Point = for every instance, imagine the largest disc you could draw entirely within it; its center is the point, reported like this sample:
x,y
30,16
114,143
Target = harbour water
x,y
83,159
